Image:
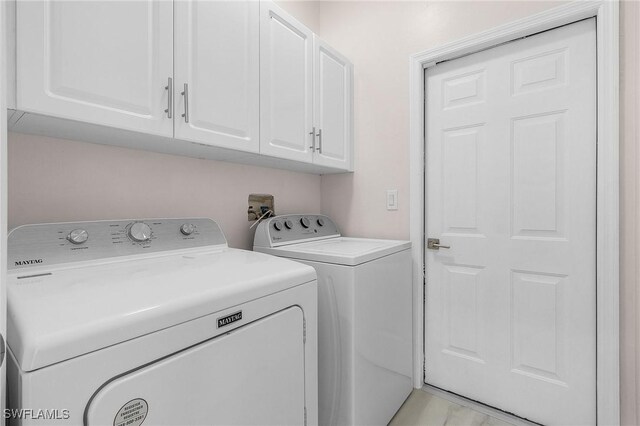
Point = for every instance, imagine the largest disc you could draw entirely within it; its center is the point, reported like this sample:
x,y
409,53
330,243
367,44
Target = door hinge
x,y
424,284
424,369
305,416
304,331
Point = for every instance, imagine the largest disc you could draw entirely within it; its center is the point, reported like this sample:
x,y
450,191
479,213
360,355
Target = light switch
x,y
392,199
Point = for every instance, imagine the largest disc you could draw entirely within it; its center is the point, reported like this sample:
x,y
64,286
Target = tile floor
x,y
429,408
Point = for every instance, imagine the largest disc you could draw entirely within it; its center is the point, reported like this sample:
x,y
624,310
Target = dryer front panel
x,y
251,375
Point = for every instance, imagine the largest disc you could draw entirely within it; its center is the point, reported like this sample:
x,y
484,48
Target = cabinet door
x,y
217,55
102,62
286,55
333,107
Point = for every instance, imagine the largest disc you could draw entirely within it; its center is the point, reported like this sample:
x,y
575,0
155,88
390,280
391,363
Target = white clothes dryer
x,y
364,315
158,322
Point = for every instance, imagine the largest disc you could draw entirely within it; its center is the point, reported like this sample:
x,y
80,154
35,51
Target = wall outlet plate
x,y
392,199
259,204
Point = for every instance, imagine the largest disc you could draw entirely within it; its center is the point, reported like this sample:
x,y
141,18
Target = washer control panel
x,y
54,243
294,228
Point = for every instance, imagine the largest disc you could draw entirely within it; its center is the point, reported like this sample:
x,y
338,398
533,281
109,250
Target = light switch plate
x,y
392,199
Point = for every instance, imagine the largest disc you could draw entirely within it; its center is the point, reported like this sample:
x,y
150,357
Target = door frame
x,y
3,205
607,186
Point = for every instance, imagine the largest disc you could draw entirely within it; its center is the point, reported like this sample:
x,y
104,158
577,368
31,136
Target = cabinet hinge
x,y
305,416
304,332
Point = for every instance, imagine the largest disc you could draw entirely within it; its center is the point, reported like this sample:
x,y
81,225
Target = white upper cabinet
x,y
217,71
333,107
306,90
102,62
286,85
237,80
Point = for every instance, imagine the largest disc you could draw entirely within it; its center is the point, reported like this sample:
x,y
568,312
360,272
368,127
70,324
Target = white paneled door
x,y
217,72
510,315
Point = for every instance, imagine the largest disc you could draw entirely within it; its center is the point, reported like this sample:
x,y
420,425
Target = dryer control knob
x,y
277,225
187,228
140,232
305,222
320,221
288,224
78,236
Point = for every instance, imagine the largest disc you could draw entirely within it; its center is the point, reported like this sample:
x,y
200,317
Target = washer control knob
x,y
305,222
288,224
187,228
277,225
140,232
78,236
320,221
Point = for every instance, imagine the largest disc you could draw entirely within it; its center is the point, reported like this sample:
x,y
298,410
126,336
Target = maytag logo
x,y
237,316
28,262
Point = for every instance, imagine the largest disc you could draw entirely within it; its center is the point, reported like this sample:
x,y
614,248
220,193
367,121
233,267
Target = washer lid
x,y
68,312
340,250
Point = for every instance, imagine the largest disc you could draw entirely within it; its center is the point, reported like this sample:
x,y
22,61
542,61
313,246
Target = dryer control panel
x,y
54,243
294,228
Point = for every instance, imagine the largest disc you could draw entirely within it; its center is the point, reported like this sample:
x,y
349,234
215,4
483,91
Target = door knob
x,y
434,244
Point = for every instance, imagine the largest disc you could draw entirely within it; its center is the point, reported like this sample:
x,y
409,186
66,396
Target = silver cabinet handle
x,y
434,244
185,93
319,135
313,143
3,350
169,89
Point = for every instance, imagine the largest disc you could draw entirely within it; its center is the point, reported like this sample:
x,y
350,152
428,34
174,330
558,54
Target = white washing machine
x,y
157,322
364,315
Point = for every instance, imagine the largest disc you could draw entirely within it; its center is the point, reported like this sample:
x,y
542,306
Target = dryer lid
x,y
63,313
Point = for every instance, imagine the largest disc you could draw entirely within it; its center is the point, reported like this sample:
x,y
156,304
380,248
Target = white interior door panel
x,y
511,187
